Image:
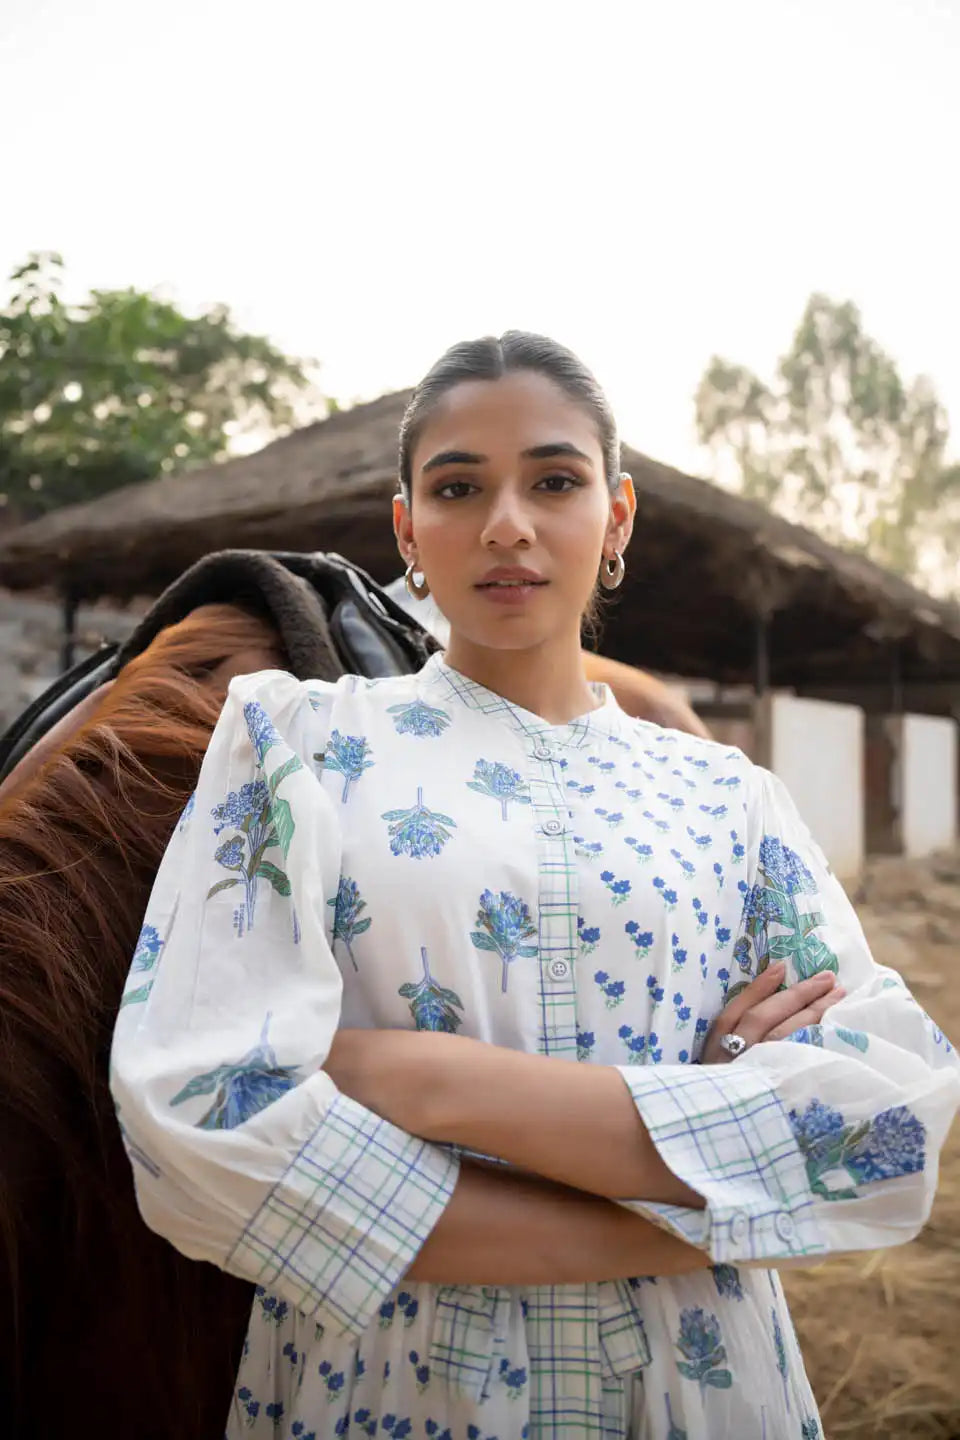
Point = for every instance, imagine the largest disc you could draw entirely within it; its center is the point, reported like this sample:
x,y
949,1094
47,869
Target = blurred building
x,y
842,677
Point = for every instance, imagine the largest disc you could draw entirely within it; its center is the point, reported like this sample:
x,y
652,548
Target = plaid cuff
x,y
347,1218
723,1130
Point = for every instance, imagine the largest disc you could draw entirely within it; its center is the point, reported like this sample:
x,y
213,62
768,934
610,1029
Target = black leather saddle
x,y
330,615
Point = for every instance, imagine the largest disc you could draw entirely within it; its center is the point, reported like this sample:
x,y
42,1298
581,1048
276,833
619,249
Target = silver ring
x,y
734,1045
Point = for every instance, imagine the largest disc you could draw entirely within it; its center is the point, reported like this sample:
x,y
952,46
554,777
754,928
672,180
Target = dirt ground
x,y
881,1332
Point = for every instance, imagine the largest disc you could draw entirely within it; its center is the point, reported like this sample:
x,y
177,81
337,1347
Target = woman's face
x,y
511,512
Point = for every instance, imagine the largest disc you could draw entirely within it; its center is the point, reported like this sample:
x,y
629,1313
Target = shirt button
x,y
739,1227
784,1226
559,969
542,751
553,827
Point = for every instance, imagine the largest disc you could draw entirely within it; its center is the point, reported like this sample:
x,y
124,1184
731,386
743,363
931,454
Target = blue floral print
x,y
418,832
145,958
641,1047
514,1378
781,1354
891,1145
642,939
432,1006
419,719
347,755
240,1090
619,889
701,1346
588,935
667,895
260,728
727,1280
253,811
504,924
613,990
500,783
642,851
585,1043
347,924
773,901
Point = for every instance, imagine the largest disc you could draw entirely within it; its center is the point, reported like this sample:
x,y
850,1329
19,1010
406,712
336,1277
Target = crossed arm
x,y
571,1132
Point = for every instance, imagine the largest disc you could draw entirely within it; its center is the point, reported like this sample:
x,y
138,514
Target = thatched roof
x,y
702,563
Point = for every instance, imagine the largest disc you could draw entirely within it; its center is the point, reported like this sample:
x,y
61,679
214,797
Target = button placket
x,y
558,900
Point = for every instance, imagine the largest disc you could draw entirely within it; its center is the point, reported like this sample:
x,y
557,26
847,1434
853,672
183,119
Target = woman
x,y
398,914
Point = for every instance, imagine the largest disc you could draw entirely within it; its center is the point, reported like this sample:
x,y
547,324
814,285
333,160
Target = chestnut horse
x,y
105,1328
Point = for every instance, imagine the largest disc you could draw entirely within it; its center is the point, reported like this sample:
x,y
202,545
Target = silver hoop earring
x,y
612,572
419,590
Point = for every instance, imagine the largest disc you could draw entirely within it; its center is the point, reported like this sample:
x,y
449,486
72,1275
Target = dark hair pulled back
x,y
490,359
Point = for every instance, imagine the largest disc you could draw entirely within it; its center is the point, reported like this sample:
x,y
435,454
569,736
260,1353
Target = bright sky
x,y
650,181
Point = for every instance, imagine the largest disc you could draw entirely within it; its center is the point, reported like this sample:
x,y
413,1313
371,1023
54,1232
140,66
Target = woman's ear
x,y
623,508
403,528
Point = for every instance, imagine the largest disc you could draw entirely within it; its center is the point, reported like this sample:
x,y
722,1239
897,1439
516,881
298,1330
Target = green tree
x,y
840,443
123,387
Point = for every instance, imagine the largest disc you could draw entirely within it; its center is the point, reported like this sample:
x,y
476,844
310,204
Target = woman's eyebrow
x,y
558,447
536,452
453,457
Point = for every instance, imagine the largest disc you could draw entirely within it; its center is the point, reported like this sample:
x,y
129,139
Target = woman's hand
x,y
764,1012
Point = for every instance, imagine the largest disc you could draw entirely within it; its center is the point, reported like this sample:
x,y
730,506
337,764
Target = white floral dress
x,y
418,852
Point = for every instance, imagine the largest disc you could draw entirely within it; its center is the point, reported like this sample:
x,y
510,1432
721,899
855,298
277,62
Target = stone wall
x,y
31,644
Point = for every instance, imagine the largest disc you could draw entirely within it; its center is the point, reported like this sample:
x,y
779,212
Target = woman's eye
x,y
556,484
454,489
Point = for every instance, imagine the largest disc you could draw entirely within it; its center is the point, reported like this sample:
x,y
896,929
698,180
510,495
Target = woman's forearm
x,y
506,1229
575,1124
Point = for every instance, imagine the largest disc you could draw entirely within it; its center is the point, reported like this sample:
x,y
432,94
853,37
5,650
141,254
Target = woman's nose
x,y
508,523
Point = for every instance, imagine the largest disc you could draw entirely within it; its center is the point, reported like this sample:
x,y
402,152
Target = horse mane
x,y
89,1292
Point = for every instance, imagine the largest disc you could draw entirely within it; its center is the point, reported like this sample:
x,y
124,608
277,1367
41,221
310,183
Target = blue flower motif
x,y
784,868
781,1354
662,825
642,939
642,852
715,812
668,895
231,854
500,783
678,953
619,889
703,916
681,1010
810,1429
700,1343
504,923
613,990
893,1146
432,1006
240,1090
241,806
613,818
347,924
590,849
675,802
702,842
585,1043
723,975
687,866
642,1048
588,935
718,872
147,953
721,933
514,1378
654,989
260,728
808,1035
418,718
418,832
727,1280
188,810
349,756
421,1372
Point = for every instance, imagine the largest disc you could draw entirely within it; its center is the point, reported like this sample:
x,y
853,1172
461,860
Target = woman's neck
x,y
548,680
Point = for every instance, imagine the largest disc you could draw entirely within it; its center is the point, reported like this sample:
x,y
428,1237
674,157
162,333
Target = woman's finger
x,y
760,989
812,1015
774,1010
